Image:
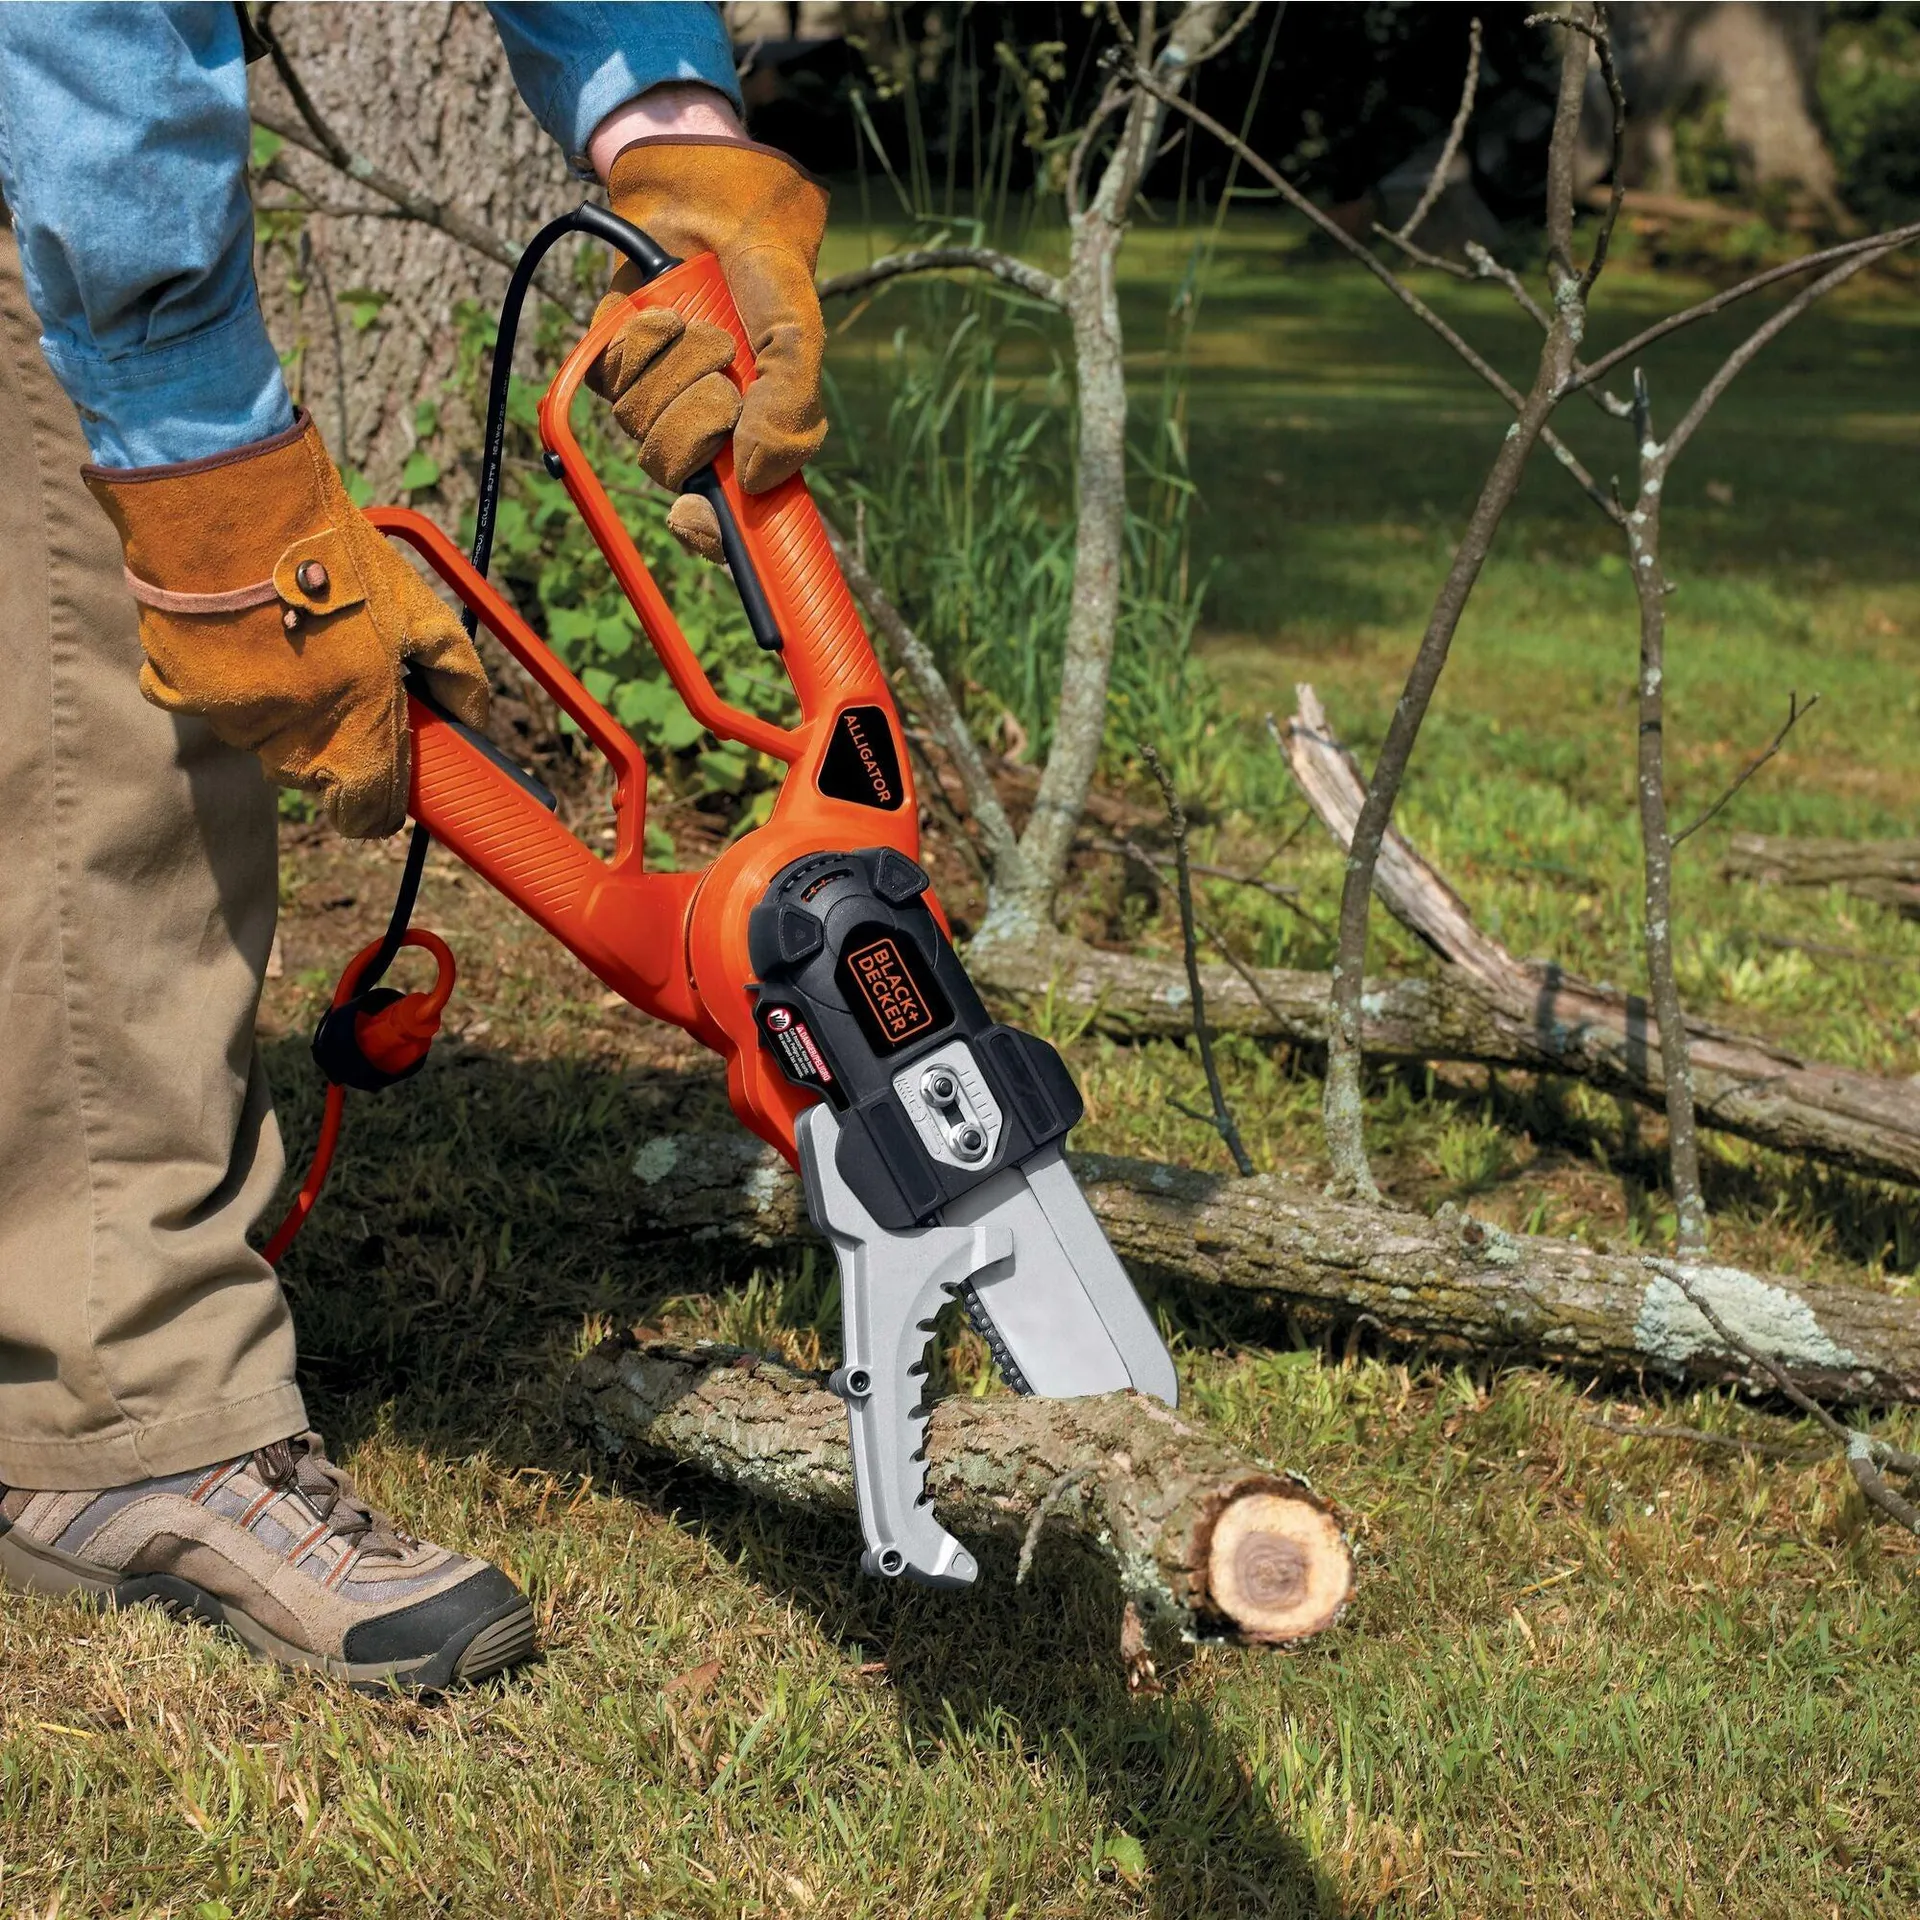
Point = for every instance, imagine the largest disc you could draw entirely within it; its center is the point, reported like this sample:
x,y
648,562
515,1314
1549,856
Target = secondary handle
x,y
775,541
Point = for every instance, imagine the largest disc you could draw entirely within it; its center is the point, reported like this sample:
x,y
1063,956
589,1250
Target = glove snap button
x,y
311,576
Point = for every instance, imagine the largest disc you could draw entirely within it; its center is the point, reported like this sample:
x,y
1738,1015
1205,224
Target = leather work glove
x,y
269,607
763,218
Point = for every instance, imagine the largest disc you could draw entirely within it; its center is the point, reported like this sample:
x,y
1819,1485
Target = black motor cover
x,y
855,982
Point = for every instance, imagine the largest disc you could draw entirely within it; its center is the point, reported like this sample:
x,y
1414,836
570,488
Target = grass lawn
x,y
1584,1674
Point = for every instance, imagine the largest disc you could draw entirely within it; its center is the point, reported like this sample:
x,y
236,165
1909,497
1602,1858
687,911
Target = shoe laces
x,y
300,1465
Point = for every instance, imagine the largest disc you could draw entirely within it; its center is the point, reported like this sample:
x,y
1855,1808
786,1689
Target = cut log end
x,y
1278,1567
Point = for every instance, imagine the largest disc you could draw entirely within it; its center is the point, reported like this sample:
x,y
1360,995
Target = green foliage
x,y
1706,163
363,305
1870,99
954,454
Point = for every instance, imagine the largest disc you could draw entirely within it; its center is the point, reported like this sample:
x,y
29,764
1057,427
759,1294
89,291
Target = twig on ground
x,y
1223,1122
1868,1460
1795,713
1697,1436
1858,956
1437,180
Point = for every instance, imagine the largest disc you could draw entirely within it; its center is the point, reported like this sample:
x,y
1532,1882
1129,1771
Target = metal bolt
x,y
940,1087
969,1142
312,576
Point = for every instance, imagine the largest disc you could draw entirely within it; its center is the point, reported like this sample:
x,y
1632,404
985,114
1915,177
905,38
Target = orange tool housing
x,y
673,944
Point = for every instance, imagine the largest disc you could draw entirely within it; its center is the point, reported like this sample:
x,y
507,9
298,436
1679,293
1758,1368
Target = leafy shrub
x,y
1870,98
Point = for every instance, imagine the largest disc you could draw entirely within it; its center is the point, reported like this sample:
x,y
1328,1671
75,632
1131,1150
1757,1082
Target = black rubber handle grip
x,y
753,596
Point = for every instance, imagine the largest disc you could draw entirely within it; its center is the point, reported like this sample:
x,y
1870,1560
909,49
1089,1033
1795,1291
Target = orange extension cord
x,y
393,1039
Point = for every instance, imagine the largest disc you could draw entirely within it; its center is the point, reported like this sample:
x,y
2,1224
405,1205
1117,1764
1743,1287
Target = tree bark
x,y
1202,1540
423,92
1884,871
1650,586
1760,60
1450,1283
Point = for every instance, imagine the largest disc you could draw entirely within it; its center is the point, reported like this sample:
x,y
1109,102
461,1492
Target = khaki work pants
x,y
139,1334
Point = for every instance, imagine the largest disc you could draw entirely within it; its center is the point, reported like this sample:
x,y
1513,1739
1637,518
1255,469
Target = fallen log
x,y
1201,1539
1885,871
1451,1283
1485,1006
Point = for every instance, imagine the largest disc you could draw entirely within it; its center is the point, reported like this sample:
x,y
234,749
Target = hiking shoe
x,y
277,1546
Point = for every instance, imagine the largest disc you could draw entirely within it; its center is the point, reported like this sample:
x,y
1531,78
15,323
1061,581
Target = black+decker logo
x,y
862,764
898,1007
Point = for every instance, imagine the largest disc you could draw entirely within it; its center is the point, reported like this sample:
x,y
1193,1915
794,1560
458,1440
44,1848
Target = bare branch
x,y
1002,266
312,134
1420,256
1388,279
1656,838
943,713
1875,244
1563,149
1288,897
1437,180
1603,46
1795,713
1223,1123
1762,336
1241,22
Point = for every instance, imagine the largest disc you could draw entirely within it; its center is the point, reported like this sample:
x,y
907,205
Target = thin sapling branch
x,y
1222,1119
1795,714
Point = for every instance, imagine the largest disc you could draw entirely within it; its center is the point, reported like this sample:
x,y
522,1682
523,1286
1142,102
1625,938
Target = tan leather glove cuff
x,y
273,610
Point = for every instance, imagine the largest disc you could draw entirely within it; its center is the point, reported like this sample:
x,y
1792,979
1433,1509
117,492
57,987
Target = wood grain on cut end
x,y
1278,1566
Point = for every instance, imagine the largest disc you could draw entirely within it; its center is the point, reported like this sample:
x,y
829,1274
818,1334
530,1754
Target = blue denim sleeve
x,y
123,147
574,64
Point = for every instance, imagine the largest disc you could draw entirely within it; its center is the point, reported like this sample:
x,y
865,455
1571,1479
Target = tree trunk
x,y
1021,896
1203,1540
1450,1283
1760,60
1884,871
1656,836
422,91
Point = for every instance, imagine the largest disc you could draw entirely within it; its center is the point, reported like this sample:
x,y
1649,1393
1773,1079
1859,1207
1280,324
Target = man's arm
x,y
123,146
577,65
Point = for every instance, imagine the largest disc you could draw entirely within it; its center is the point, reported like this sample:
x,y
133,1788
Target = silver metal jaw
x,y
1025,1248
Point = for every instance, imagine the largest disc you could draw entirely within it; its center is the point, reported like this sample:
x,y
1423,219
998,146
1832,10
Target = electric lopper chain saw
x,y
811,955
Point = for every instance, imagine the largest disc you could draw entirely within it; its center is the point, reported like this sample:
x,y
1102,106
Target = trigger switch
x,y
801,936
896,879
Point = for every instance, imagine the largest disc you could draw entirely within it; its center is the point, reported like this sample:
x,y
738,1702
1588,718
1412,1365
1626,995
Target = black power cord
x,y
652,260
